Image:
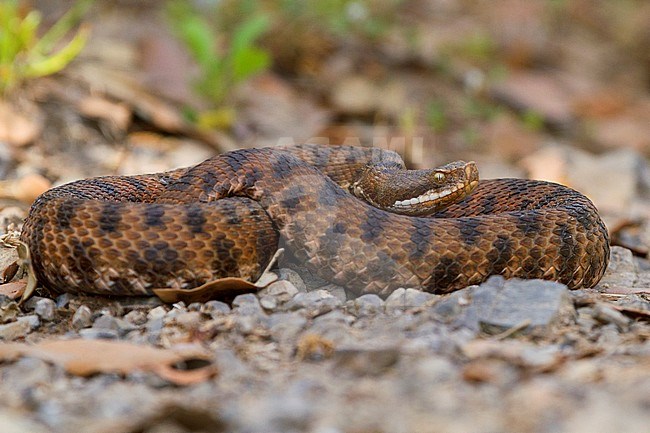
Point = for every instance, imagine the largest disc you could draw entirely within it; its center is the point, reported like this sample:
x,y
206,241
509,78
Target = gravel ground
x,y
516,355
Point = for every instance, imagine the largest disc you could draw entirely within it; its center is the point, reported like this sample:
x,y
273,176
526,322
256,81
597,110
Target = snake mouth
x,y
431,196
441,197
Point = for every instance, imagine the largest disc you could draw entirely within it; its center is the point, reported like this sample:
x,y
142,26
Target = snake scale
x,y
126,235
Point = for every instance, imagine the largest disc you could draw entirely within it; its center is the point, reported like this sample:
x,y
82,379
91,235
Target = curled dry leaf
x,y
217,289
88,357
222,288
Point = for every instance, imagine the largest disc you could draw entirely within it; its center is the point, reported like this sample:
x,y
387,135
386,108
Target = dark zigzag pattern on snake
x,y
227,216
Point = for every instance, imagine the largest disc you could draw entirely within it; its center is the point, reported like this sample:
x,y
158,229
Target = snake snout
x,y
416,192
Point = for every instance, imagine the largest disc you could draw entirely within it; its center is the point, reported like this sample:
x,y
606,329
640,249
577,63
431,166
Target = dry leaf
x,y
88,357
217,289
13,290
222,288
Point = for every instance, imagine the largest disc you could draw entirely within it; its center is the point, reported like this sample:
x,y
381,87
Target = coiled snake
x,y
125,235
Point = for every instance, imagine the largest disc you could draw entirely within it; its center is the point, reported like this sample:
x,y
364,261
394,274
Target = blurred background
x,y
549,89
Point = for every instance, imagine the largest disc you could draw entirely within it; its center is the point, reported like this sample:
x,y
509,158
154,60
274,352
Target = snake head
x,y
415,192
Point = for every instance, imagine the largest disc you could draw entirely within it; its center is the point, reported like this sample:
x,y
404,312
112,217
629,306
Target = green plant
x,y
222,66
24,55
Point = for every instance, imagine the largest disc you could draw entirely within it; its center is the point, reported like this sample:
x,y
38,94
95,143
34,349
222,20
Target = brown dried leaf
x,y
13,290
10,272
88,357
218,289
222,288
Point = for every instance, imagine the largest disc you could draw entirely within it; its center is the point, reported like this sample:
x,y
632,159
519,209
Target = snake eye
x,y
439,177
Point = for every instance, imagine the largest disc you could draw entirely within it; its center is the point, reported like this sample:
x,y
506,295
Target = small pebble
x,y
247,304
319,301
215,308
408,298
30,304
268,302
33,320
606,314
189,319
82,318
136,317
291,276
281,290
156,313
63,300
46,309
179,306
367,304
195,306
106,321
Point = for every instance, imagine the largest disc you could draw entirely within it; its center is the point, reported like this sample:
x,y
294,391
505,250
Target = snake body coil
x,y
126,235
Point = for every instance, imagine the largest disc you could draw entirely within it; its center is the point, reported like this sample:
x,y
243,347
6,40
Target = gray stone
x,y
82,318
366,304
106,321
33,320
136,317
499,305
282,291
111,323
268,302
607,314
30,304
215,308
195,306
247,304
157,313
405,299
46,309
318,302
62,301
189,319
180,305
622,271
291,276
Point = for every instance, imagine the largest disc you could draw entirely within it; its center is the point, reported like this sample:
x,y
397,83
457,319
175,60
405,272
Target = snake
x,y
353,216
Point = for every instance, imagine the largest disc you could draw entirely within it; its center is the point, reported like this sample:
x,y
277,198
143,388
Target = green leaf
x,y
246,33
249,62
199,38
60,59
71,18
27,31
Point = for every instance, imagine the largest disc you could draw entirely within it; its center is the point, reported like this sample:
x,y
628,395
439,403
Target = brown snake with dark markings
x,y
126,235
